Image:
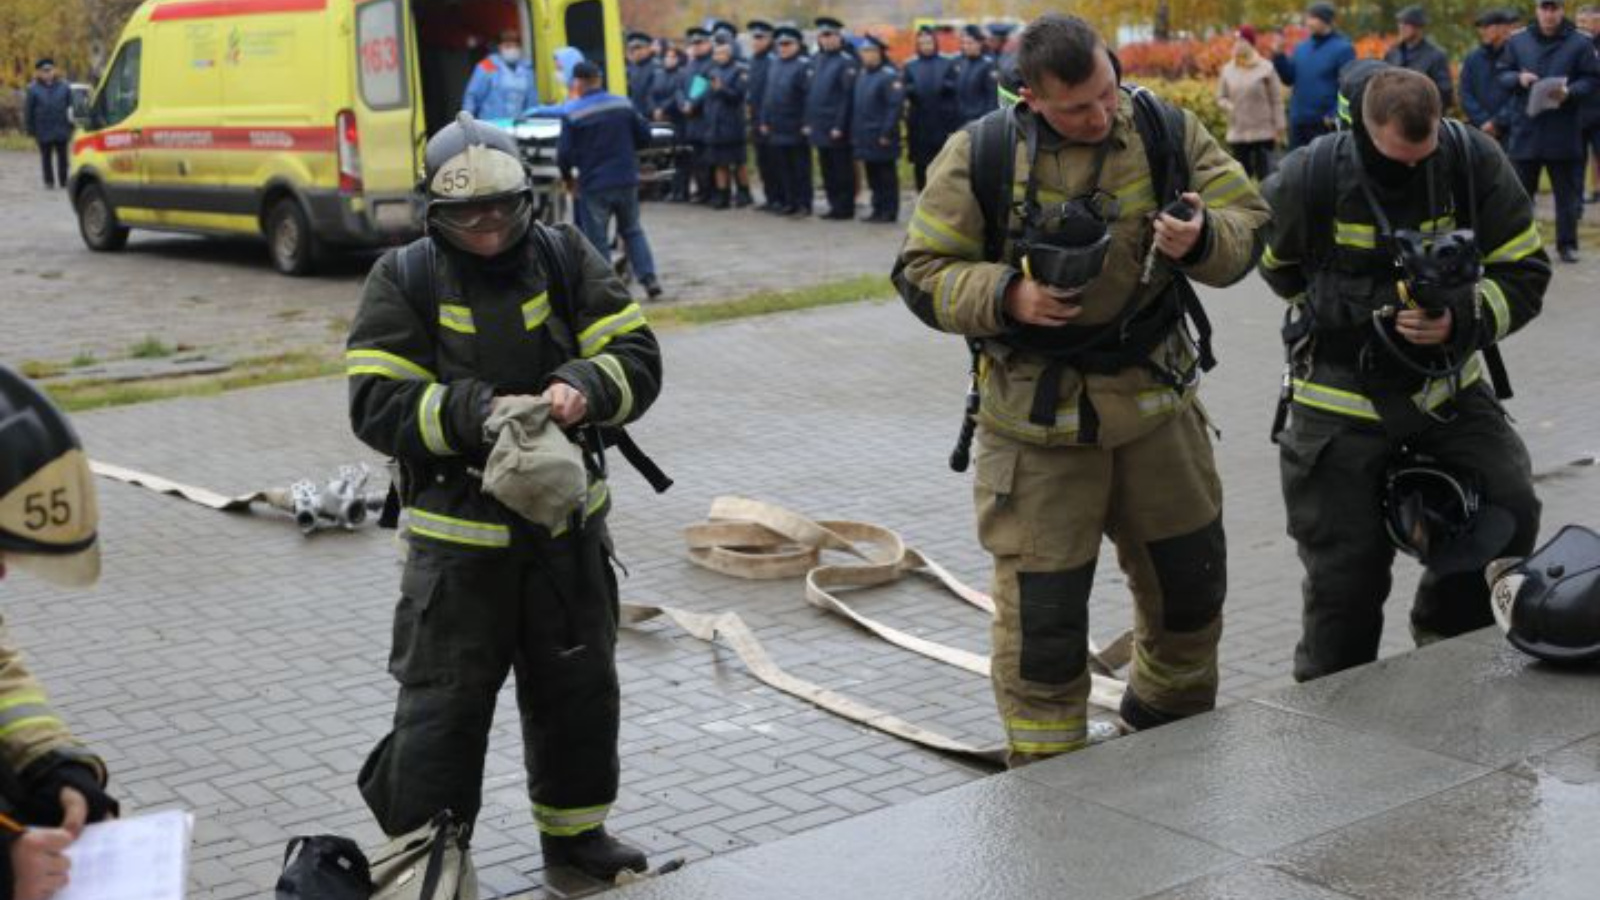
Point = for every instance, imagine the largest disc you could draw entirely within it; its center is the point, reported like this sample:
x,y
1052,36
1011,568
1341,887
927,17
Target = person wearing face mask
x,y
501,86
493,315
1087,423
1251,94
1408,251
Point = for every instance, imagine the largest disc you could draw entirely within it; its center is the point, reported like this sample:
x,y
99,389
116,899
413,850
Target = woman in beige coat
x,y
1250,93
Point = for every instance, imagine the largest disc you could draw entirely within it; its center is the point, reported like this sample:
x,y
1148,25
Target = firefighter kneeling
x,y
1088,423
1407,250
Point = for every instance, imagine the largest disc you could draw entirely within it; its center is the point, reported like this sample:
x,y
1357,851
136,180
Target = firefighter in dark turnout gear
x,y
1087,422
931,112
489,308
827,124
1384,359
783,117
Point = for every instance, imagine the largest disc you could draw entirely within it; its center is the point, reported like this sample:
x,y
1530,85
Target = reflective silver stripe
x,y
535,311
1495,299
1355,234
951,281
943,237
1029,736
430,422
384,365
612,367
1349,403
1519,247
1443,223
597,336
457,318
458,531
560,822
1229,187
36,708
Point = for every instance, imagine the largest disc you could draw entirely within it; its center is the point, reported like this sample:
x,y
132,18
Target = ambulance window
x,y
586,30
380,47
120,96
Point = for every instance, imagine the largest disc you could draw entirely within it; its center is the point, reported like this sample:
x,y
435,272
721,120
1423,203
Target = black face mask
x,y
1387,172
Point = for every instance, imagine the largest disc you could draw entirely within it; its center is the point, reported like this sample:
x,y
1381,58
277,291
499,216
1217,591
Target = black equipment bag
x,y
324,867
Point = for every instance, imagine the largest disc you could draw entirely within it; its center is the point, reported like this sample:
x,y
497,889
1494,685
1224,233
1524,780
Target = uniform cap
x,y
1324,11
49,515
533,468
829,25
787,33
1412,15
974,31
758,26
638,39
872,40
697,33
723,26
1002,29
45,61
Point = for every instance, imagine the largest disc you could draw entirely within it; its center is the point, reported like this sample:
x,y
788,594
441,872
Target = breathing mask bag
x,y
1064,244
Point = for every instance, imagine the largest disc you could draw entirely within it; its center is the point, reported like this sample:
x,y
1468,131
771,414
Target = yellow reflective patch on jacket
x,y
944,238
597,336
1271,261
536,311
457,318
1495,299
430,420
1349,403
1355,234
457,531
384,365
612,367
1230,186
1520,247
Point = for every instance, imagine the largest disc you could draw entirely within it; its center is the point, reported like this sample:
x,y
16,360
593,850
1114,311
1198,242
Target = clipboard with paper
x,y
142,858
1546,94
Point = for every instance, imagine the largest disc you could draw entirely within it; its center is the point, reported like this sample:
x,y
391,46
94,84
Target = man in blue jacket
x,y
501,86
833,79
783,116
875,127
600,136
1482,97
1313,72
1551,140
45,117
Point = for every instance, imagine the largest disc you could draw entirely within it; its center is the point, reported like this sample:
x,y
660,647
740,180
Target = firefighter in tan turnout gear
x,y
1088,423
494,312
48,527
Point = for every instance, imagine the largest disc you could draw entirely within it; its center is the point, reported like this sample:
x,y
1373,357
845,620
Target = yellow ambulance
x,y
302,121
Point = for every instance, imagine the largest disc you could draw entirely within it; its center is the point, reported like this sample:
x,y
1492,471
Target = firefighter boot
x,y
594,853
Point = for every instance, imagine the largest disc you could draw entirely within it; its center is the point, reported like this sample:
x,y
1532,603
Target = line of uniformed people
x,y
806,112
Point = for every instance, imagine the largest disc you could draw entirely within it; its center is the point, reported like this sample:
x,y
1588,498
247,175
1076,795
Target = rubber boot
x,y
594,853
743,199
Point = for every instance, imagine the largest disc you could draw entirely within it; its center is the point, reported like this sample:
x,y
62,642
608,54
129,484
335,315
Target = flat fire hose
x,y
278,499
759,541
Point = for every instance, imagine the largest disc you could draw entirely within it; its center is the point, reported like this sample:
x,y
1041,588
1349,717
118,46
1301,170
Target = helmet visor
x,y
481,217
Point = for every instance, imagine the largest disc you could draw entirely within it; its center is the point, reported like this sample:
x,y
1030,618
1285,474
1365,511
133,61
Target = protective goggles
x,y
484,216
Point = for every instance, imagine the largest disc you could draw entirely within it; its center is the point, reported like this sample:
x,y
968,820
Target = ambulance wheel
x,y
289,239
97,221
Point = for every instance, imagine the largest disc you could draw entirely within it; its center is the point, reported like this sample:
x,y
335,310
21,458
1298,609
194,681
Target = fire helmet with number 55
x,y
476,188
1549,603
48,513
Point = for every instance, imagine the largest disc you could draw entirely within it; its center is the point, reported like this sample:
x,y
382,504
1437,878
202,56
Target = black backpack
x,y
324,867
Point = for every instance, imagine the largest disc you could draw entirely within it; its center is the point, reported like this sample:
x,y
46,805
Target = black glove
x,y
48,776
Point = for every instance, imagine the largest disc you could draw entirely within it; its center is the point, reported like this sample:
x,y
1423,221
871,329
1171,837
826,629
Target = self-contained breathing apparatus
x,y
1064,245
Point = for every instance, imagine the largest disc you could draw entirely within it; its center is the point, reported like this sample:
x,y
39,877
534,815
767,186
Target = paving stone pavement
x,y
222,297
229,666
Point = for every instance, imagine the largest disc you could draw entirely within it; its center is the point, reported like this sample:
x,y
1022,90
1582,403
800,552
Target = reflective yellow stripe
x,y
1519,247
1171,678
457,318
1443,223
1136,197
612,367
30,722
1350,403
1019,193
559,822
1033,736
951,282
384,365
1271,260
535,311
22,699
1355,234
430,423
597,336
1495,299
943,237
458,531
1296,300
1224,190
599,493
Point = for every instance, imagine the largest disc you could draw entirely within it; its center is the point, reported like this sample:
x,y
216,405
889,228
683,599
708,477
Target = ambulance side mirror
x,y
81,111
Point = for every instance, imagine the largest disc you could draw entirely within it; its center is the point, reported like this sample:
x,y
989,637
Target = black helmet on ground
x,y
476,187
1548,604
48,512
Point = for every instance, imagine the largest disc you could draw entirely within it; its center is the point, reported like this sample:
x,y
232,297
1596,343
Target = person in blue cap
x,y
931,112
875,126
502,85
827,125
762,54
782,124
977,78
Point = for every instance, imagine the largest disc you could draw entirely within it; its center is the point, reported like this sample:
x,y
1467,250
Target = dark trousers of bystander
x,y
54,151
1566,186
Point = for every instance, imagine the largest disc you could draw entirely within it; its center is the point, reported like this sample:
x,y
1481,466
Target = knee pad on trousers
x,y
1193,572
1140,716
1055,624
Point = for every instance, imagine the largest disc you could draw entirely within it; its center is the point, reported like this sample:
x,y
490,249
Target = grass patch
x,y
83,359
246,373
16,140
833,293
150,348
37,369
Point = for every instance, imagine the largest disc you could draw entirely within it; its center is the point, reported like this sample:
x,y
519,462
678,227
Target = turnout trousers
x,y
547,610
1042,512
1333,479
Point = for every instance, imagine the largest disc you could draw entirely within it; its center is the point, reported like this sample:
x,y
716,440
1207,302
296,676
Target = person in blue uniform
x,y
761,57
643,70
827,125
977,78
692,101
783,109
930,83
875,126
725,123
501,86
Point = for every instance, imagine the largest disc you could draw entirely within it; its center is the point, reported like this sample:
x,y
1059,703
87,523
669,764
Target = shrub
x,y
1197,95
